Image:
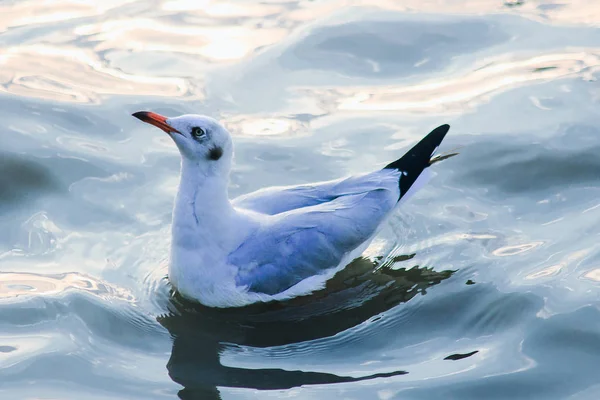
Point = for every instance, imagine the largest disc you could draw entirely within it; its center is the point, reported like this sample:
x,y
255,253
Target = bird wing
x,y
278,199
310,228
297,244
275,200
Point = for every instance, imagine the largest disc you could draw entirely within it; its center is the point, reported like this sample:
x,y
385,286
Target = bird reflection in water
x,y
356,294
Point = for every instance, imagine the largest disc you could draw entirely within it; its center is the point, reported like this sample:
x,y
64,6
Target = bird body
x,y
276,243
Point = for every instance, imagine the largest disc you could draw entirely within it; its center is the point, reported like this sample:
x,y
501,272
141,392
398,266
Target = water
x,y
484,286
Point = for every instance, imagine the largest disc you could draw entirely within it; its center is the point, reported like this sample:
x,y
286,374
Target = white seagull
x,y
279,242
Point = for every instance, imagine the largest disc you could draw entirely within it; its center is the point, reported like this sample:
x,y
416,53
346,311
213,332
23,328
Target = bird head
x,y
201,140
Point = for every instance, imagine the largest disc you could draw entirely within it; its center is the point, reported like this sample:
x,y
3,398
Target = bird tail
x,y
417,159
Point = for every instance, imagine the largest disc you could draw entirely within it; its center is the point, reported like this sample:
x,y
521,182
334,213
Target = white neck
x,y
206,228
202,209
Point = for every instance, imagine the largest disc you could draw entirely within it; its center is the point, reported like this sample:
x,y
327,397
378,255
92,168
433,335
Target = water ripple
x,y
483,285
76,75
456,94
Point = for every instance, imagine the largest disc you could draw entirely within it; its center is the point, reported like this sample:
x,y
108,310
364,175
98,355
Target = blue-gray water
x,y
487,282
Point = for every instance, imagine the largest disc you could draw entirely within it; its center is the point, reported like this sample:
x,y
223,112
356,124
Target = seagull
x,y
279,242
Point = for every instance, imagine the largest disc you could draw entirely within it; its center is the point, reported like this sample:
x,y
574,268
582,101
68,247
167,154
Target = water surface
x,y
484,286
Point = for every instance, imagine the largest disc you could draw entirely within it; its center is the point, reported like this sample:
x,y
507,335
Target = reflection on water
x,y
359,293
486,283
460,93
14,284
72,74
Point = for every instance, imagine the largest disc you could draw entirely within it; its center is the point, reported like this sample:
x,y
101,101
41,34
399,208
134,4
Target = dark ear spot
x,y
215,153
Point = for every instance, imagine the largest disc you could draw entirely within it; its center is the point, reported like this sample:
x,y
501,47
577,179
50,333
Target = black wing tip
x,y
418,158
422,151
437,135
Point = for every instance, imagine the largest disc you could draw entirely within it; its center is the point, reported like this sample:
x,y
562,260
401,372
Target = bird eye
x,y
197,131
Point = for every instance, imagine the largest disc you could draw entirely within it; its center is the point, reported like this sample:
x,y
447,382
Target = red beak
x,y
155,119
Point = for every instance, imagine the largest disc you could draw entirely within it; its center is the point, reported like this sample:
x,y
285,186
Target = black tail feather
x,y
418,158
